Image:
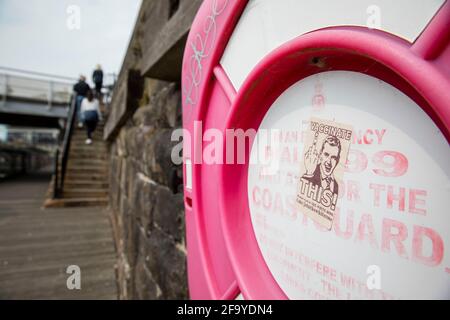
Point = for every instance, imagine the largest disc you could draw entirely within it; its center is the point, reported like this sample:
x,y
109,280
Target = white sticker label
x,y
325,155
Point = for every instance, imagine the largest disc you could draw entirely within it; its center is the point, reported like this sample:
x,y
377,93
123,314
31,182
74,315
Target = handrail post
x,y
50,94
56,175
5,90
67,140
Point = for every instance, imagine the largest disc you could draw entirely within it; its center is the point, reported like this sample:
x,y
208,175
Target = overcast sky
x,y
44,35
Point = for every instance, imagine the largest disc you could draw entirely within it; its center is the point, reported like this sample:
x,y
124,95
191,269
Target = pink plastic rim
x,y
208,37
373,53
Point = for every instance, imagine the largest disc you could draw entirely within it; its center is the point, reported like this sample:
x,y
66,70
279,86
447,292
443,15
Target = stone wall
x,y
146,200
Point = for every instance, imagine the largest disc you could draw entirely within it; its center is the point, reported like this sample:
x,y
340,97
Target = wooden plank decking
x,y
37,246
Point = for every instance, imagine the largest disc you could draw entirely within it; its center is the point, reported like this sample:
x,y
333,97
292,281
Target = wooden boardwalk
x,y
37,246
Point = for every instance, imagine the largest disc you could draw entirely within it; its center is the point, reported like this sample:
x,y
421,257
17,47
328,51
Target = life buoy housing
x,y
346,111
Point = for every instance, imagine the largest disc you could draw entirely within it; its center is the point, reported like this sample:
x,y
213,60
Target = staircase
x,y
86,180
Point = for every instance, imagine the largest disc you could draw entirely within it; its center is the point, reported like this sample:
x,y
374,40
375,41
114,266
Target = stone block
x,y
121,140
144,203
124,278
132,143
113,148
173,108
167,263
158,160
169,213
145,288
124,180
125,101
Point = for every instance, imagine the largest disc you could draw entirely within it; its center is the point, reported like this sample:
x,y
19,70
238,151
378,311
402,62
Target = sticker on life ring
x,y
324,157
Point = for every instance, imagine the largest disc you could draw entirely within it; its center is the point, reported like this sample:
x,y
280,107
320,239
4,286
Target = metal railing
x,y
15,160
56,175
62,156
25,85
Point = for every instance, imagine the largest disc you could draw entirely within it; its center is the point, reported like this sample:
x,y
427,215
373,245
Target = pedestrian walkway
x,y
37,246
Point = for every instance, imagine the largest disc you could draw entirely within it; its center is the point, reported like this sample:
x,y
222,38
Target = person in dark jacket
x,y
81,88
97,78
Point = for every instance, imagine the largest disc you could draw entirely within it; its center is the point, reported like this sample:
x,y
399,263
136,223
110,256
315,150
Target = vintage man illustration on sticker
x,y
326,148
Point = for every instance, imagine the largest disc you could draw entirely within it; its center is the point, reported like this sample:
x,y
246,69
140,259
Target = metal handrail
x,y
38,74
62,160
21,87
56,175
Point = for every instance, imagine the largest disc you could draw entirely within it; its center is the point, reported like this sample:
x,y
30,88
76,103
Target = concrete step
x,y
89,175
76,202
98,130
83,152
82,141
93,147
83,134
82,173
88,188
79,184
84,193
88,148
99,124
77,162
81,163
87,157
84,177
83,155
75,156
86,169
97,143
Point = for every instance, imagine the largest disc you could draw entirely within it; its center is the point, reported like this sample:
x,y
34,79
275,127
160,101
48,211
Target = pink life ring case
x,y
223,255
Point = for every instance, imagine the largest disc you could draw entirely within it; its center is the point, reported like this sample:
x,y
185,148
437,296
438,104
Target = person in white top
x,y
90,109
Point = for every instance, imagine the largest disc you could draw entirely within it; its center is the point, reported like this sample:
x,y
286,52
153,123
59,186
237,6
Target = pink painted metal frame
x,y
223,255
210,274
